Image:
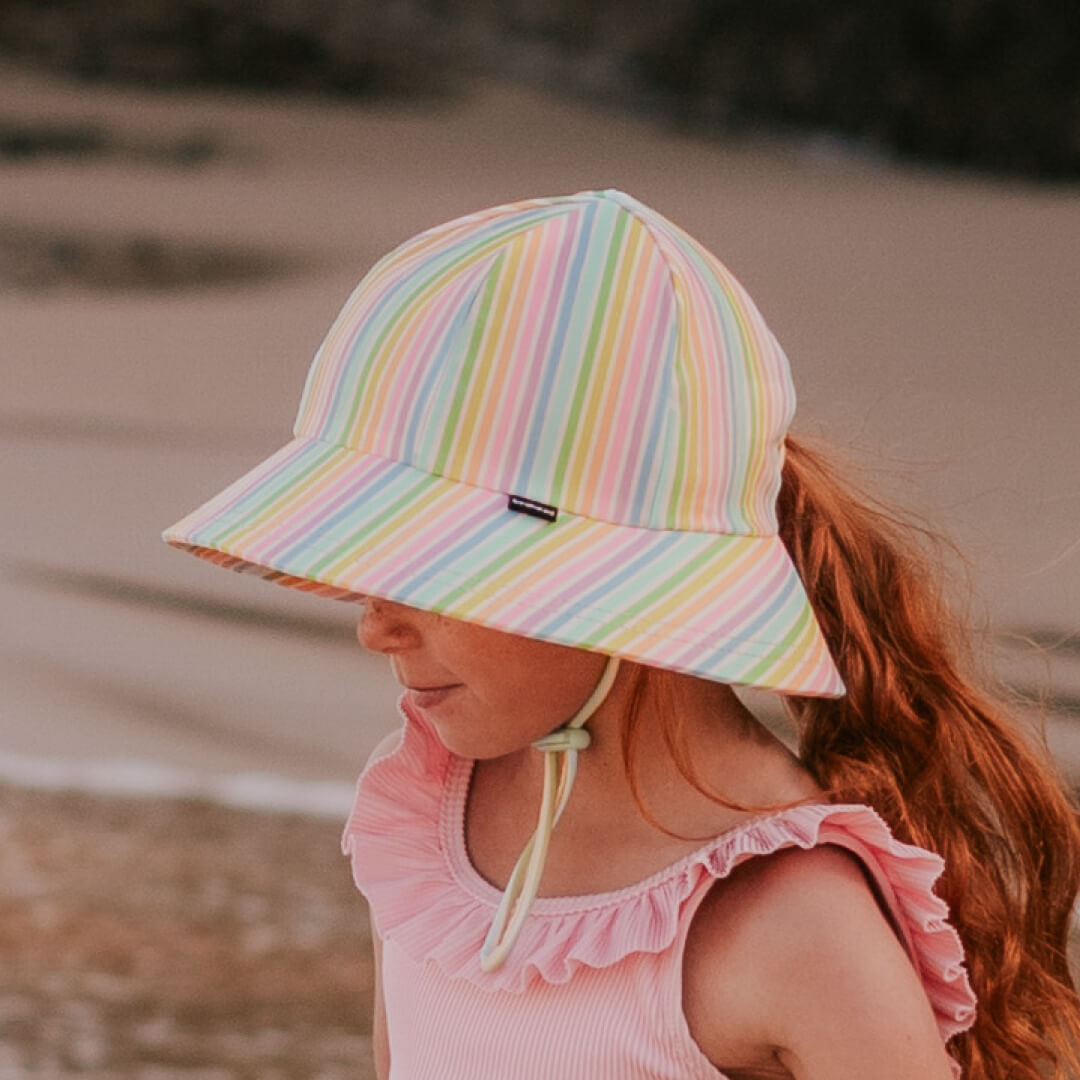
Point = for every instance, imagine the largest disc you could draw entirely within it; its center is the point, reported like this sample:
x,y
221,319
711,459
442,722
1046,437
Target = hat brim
x,y
347,524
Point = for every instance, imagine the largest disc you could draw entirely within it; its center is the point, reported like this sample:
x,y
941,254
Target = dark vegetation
x,y
45,260
986,84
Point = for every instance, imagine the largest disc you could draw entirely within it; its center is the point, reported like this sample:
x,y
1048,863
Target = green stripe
x,y
506,559
595,639
398,507
285,480
781,650
674,517
476,340
585,367
448,261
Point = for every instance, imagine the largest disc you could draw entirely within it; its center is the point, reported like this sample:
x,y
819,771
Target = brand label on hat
x,y
533,508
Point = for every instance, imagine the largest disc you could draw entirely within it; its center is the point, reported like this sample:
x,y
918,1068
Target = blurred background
x,y
188,192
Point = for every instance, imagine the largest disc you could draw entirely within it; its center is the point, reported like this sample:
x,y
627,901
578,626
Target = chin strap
x,y
560,749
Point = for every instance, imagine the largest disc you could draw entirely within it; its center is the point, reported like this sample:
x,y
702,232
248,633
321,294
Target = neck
x,y
728,750
605,840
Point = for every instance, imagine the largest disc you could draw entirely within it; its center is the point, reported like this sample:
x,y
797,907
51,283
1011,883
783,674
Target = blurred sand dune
x,y
932,319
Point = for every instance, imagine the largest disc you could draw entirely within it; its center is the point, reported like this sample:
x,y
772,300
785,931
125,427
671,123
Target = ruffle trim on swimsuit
x,y
405,840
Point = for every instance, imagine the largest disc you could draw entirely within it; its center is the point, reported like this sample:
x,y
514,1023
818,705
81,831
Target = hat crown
x,y
580,351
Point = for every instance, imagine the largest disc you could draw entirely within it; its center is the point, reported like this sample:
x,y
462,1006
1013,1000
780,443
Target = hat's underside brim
x,y
341,523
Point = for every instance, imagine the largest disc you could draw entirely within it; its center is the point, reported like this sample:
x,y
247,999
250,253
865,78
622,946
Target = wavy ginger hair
x,y
917,739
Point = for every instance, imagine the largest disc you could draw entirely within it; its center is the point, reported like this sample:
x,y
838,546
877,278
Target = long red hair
x,y
919,740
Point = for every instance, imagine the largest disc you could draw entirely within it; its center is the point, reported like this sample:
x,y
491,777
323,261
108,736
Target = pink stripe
x,y
761,580
525,389
615,479
607,557
518,387
415,362
410,560
240,489
320,503
320,404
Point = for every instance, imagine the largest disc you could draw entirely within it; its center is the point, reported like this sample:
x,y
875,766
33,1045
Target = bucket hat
x,y
562,418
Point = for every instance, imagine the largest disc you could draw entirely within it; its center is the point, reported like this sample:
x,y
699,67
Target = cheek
x,y
540,683
548,682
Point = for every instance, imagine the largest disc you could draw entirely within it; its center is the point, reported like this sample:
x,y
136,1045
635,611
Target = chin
x,y
455,741
471,745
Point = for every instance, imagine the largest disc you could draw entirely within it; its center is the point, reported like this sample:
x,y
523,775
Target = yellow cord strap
x,y
560,749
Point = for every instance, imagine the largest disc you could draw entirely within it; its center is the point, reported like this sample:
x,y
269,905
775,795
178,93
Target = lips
x,y
429,697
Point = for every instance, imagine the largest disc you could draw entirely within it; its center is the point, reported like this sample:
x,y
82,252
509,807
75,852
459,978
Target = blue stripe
x,y
660,546
435,371
433,266
544,396
748,630
736,370
311,535
444,565
311,454
341,412
661,400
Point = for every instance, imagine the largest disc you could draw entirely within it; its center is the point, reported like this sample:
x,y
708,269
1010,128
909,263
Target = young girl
x,y
546,446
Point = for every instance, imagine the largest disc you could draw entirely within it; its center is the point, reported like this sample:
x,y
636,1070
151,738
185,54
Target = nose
x,y
386,627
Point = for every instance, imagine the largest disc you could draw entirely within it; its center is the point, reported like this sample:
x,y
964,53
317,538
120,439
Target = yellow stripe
x,y
502,324
680,603
746,478
776,673
267,522
392,531
495,402
408,327
529,569
384,362
798,662
630,327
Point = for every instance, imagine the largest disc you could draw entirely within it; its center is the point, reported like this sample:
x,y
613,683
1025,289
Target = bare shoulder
x,y
792,966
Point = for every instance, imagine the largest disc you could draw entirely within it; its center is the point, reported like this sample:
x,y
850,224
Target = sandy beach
x,y
931,320
159,306
176,940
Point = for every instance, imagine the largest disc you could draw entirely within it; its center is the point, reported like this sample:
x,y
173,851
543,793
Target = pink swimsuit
x,y
593,987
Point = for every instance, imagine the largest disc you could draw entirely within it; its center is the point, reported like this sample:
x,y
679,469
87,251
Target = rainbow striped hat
x,y
562,418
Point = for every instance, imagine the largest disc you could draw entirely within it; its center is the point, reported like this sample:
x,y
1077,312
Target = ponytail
x,y
937,759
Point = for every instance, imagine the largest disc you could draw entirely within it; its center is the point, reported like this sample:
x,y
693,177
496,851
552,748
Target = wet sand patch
x,y
88,140
34,259
177,939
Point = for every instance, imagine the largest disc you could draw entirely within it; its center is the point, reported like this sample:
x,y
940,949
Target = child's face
x,y
486,693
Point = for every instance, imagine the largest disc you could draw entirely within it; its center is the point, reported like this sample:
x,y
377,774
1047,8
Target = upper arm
x,y
380,1043
794,963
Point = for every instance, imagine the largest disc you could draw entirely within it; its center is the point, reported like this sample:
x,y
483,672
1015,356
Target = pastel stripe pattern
x,y
579,351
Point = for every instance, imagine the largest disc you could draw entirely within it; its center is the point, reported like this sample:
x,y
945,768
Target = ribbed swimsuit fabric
x,y
593,987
